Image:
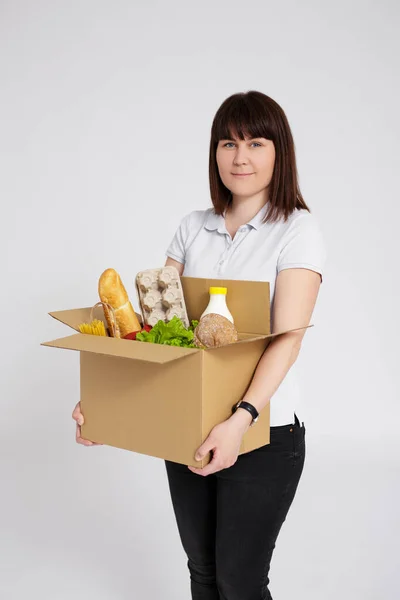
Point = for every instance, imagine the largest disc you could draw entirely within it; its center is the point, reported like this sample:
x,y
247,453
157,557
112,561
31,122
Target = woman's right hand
x,y
78,417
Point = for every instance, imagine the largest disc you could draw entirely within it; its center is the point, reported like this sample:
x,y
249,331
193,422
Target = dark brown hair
x,y
256,115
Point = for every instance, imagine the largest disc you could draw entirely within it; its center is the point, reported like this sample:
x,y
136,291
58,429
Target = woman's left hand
x,y
224,440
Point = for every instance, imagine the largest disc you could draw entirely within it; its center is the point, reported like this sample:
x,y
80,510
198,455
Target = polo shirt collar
x,y
214,222
256,221
217,222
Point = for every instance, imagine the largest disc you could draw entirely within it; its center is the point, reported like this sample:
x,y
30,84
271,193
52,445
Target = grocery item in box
x,y
217,304
118,310
161,296
214,330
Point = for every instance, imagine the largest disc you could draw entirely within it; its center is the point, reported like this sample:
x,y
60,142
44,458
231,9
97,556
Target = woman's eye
x,y
227,143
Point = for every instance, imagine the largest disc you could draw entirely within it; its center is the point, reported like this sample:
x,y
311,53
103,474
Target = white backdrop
x,y
106,110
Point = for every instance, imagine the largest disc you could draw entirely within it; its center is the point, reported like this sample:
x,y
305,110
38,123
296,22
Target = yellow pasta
x,y
96,327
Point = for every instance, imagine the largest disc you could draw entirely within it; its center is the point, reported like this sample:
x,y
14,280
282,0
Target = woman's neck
x,y
241,210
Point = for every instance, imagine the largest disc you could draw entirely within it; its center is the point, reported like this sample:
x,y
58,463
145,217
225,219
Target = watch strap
x,y
249,407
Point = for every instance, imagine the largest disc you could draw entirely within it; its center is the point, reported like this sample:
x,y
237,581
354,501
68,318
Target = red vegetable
x,y
132,335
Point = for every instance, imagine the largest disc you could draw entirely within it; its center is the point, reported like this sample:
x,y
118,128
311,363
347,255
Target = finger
x,y
208,446
204,472
84,442
212,467
77,411
79,418
81,440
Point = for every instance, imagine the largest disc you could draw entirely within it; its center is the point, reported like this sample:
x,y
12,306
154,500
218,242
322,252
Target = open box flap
x,y
248,301
259,336
153,353
74,317
276,333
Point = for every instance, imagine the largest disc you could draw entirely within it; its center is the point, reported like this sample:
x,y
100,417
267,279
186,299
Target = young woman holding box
x,y
229,513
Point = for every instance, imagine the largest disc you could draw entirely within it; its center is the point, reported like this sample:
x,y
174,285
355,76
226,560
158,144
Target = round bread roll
x,y
214,330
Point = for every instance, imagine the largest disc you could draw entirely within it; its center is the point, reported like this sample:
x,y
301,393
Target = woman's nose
x,y
240,158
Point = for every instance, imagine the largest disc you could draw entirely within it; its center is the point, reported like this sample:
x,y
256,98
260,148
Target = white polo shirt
x,y
257,253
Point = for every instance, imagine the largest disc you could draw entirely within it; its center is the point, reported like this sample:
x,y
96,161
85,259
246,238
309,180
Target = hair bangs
x,y
240,119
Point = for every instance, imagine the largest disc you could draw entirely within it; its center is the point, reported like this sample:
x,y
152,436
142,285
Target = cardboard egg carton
x,y
161,296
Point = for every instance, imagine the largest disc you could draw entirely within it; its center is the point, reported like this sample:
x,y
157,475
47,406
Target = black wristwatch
x,y
250,408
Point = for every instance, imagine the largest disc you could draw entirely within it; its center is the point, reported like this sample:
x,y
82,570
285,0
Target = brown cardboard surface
x,y
168,410
248,301
74,317
147,408
153,353
163,401
244,338
227,374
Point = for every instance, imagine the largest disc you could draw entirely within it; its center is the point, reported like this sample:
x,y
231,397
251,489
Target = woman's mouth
x,y
242,174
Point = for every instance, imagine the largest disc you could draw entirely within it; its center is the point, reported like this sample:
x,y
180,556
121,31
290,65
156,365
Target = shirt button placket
x,y
223,258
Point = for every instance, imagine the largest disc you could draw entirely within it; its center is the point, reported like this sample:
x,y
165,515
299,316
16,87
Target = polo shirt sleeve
x,y
304,246
177,246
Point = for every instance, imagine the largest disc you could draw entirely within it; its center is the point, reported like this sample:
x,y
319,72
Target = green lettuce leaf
x,y
173,333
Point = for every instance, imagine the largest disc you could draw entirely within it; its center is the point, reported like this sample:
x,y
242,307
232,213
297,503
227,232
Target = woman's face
x,y
255,157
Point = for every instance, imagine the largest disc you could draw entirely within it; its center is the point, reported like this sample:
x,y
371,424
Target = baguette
x,y
112,291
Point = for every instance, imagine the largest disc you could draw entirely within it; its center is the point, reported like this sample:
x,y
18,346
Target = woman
x,y
229,513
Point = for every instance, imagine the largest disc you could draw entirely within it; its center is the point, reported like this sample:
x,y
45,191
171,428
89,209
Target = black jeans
x,y
229,521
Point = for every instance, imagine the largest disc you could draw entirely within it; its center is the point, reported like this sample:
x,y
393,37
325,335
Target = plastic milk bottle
x,y
217,303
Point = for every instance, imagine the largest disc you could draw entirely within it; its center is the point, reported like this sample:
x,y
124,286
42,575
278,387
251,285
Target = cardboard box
x,y
163,401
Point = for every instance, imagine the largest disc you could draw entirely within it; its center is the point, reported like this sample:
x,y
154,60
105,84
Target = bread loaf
x,y
112,291
214,330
